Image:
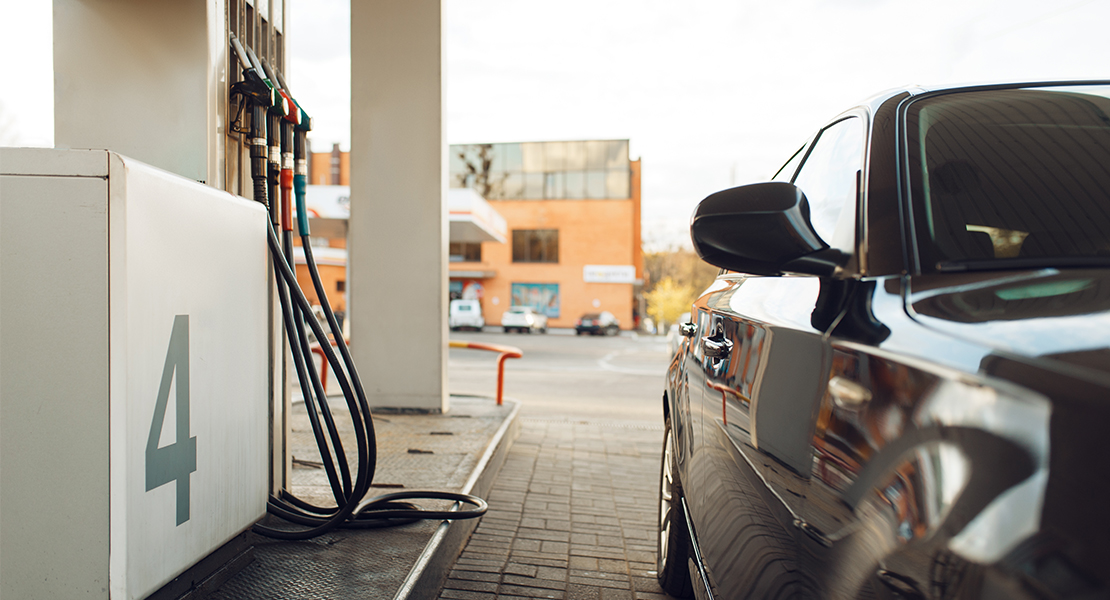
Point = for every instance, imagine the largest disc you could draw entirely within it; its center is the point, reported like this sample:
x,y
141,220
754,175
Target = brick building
x,y
571,227
573,217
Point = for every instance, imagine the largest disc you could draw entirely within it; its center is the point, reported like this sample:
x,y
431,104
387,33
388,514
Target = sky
x,y
711,94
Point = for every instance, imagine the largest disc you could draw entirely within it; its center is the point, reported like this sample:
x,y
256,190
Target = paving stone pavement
x,y
572,516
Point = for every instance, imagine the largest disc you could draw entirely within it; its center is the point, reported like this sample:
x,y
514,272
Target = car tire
x,y
672,547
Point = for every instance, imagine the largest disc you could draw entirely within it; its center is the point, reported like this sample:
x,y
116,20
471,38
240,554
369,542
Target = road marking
x,y
606,365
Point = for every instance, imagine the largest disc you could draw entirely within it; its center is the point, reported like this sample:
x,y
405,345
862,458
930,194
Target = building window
x,y
465,252
341,286
536,245
543,170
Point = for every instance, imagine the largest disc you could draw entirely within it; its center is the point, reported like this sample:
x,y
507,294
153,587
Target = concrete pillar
x,y
142,79
398,226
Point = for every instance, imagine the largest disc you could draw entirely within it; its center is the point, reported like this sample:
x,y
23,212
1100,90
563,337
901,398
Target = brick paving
x,y
572,516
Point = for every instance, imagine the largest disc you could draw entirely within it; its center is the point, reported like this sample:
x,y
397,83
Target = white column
x,y
141,78
398,225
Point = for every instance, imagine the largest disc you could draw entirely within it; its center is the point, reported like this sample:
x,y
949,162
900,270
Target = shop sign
x,y
609,274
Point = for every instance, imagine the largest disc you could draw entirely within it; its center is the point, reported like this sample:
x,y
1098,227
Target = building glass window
x,y
574,170
465,252
554,185
533,186
536,245
595,184
576,185
576,156
512,186
618,184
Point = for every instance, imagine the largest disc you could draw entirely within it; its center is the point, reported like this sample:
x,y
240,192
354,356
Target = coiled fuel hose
x,y
272,104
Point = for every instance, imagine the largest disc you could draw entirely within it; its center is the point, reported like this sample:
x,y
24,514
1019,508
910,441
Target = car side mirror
x,y
762,229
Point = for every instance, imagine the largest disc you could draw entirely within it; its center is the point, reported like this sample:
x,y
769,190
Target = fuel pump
x,y
276,117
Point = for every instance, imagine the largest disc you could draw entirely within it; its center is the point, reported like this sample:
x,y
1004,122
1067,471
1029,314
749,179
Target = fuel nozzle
x,y
303,124
259,93
254,86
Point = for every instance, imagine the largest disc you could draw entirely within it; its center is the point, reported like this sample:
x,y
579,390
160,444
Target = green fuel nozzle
x,y
300,158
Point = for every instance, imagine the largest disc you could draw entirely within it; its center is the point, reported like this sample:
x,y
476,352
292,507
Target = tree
x,y
681,265
667,300
478,160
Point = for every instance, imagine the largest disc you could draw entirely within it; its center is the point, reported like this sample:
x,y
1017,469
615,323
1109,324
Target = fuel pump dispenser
x,y
276,183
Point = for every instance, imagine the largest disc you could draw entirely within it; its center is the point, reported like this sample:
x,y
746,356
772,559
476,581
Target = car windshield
x,y
1011,177
591,316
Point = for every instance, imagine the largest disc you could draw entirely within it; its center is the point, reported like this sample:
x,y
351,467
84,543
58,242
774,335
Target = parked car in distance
x,y
602,323
899,385
523,319
464,314
674,335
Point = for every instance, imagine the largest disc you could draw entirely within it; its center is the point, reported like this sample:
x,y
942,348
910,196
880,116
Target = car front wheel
x,y
673,545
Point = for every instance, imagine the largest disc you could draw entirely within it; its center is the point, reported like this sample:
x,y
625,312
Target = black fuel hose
x,y
354,511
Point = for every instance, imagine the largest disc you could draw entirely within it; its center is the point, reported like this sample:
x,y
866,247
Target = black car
x,y
899,384
602,323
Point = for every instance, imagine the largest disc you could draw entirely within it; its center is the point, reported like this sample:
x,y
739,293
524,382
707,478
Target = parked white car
x,y
523,319
465,314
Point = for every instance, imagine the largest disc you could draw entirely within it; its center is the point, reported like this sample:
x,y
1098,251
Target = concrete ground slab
x,y
461,451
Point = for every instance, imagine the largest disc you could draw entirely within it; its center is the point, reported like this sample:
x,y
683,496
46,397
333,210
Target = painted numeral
x,y
175,462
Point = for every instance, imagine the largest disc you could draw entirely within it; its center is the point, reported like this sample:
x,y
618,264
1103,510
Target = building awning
x,y
323,255
472,219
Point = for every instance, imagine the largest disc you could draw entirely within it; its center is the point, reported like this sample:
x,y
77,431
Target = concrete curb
x,y
430,572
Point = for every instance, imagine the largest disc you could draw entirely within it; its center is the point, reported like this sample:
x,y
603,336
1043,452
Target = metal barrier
x,y
506,352
317,349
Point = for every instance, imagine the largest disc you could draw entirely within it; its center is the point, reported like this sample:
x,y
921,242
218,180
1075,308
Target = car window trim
x,y
861,175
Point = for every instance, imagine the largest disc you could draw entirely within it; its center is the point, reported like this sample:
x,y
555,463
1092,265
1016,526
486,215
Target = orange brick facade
x,y
330,168
591,232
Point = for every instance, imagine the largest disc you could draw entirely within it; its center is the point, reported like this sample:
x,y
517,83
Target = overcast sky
x,y
710,93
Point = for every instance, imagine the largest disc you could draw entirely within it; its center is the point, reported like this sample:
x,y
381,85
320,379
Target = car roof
x,y
875,100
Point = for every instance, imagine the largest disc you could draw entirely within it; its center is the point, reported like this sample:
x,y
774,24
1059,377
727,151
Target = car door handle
x,y
848,394
716,347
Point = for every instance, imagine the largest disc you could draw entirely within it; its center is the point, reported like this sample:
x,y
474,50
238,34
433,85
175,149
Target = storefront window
x,y
465,252
540,297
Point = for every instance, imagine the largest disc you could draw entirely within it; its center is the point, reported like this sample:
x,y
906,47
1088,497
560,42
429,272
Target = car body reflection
x,y
850,424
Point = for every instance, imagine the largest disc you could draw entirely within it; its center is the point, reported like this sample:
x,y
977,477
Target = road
x,y
566,376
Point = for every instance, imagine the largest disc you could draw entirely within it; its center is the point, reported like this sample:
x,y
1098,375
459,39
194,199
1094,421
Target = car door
x,y
763,366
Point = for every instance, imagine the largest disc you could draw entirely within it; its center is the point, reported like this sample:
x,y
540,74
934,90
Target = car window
x,y
828,179
1011,175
